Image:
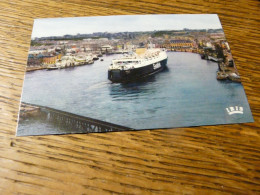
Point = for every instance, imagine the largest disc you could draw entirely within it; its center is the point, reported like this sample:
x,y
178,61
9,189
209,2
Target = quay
x,y
30,69
227,73
65,120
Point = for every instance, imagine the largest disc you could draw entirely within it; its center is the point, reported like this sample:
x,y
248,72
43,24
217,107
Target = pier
x,y
65,121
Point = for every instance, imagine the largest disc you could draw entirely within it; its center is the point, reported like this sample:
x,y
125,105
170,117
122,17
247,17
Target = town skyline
x,y
114,34
123,23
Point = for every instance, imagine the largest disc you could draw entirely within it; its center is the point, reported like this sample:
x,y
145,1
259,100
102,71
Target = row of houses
x,y
42,58
41,55
177,44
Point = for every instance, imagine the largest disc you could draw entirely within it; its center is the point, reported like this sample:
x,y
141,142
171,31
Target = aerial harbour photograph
x,y
129,72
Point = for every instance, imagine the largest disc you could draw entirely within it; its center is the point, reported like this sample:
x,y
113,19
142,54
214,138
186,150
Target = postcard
x,y
129,72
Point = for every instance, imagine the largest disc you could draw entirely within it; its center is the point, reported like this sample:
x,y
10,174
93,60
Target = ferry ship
x,y
141,64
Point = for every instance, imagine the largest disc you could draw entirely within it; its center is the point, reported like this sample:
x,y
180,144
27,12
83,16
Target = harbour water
x,y
187,93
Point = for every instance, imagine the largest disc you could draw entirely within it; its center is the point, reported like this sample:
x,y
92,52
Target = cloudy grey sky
x,y
131,23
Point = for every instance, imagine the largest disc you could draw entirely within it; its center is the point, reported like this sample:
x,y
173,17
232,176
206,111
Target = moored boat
x,y
80,60
52,68
234,77
143,63
222,75
95,57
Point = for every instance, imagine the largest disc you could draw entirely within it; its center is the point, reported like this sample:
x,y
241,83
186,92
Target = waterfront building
x,y
106,49
50,59
40,59
219,35
33,60
179,43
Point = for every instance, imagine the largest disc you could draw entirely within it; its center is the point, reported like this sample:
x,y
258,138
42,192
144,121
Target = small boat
x,y
95,57
234,77
101,59
214,59
203,56
221,75
143,63
52,68
80,60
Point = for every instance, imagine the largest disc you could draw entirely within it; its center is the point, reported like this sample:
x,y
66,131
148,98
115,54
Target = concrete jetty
x,y
66,120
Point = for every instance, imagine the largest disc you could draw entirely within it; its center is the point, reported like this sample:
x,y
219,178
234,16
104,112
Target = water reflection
x,y
133,89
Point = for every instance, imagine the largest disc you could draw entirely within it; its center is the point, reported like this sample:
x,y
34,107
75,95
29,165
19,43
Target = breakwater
x,y
64,121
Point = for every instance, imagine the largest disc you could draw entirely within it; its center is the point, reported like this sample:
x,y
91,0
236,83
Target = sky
x,y
131,23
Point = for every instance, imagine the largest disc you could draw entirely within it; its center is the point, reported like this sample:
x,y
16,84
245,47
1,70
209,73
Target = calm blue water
x,y
186,94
